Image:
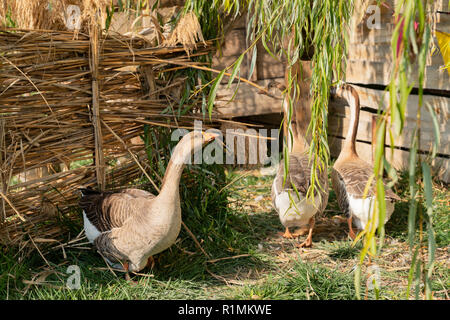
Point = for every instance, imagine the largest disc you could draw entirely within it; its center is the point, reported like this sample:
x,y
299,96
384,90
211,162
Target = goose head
x,y
192,142
181,156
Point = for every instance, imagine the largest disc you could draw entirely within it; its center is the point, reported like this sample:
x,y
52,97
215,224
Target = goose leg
x,y
150,262
287,234
126,267
308,242
351,233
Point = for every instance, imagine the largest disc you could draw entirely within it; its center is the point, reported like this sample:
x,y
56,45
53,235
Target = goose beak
x,y
209,136
333,91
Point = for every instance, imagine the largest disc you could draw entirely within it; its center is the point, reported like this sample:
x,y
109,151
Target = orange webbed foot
x,y
126,267
287,234
308,242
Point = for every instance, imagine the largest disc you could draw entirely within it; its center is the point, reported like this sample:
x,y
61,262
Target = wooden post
x,y
94,62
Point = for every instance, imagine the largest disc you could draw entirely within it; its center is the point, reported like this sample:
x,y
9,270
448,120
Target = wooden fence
x,y
73,105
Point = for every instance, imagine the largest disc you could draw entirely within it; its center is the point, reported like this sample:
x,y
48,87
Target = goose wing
x,y
138,193
339,187
300,177
352,178
108,210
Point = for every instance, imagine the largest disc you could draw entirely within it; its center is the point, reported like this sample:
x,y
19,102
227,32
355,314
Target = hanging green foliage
x,y
316,31
411,43
294,30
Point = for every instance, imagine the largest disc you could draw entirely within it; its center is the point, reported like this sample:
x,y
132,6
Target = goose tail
x,y
88,191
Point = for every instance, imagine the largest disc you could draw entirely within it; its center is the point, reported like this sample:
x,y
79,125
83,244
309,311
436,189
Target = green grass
x,y
303,281
238,226
343,250
397,226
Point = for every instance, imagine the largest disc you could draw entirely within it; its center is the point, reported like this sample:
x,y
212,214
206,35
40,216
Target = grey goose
x,y
130,226
350,173
289,194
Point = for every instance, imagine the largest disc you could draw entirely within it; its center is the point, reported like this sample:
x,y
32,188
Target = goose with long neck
x,y
130,226
289,193
350,173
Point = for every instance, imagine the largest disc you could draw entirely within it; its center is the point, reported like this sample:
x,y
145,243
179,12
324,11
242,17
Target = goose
x,y
300,211
350,173
130,226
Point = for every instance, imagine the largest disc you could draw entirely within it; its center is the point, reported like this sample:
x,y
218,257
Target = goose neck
x,y
180,157
349,148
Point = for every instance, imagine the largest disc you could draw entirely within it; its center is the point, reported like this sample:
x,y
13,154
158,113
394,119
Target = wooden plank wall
x,y
249,100
370,58
369,65
338,123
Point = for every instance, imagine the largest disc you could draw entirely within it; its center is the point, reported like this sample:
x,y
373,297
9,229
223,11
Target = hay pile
x,y
51,14
187,32
47,118
153,22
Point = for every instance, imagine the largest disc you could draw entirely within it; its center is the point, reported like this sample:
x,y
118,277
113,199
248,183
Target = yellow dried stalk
x,y
51,14
32,136
188,33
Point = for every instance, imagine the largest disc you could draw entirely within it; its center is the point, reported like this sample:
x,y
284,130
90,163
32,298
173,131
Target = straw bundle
x,y
51,14
46,118
187,32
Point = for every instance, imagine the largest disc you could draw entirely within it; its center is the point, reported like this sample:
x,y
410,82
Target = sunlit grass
x,y
303,282
258,264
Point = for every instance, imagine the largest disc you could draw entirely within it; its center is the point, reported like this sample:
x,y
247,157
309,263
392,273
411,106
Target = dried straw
x,y
188,33
51,14
47,120
67,97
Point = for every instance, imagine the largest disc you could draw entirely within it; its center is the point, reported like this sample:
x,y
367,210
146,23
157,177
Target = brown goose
x,y
350,174
300,211
130,226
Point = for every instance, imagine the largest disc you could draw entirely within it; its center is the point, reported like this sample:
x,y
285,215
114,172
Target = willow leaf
x,y
236,69
358,281
412,187
428,188
253,62
437,134
213,92
411,272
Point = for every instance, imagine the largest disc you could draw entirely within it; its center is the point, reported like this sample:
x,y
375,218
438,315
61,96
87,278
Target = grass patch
x,y
303,281
344,250
237,227
397,226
